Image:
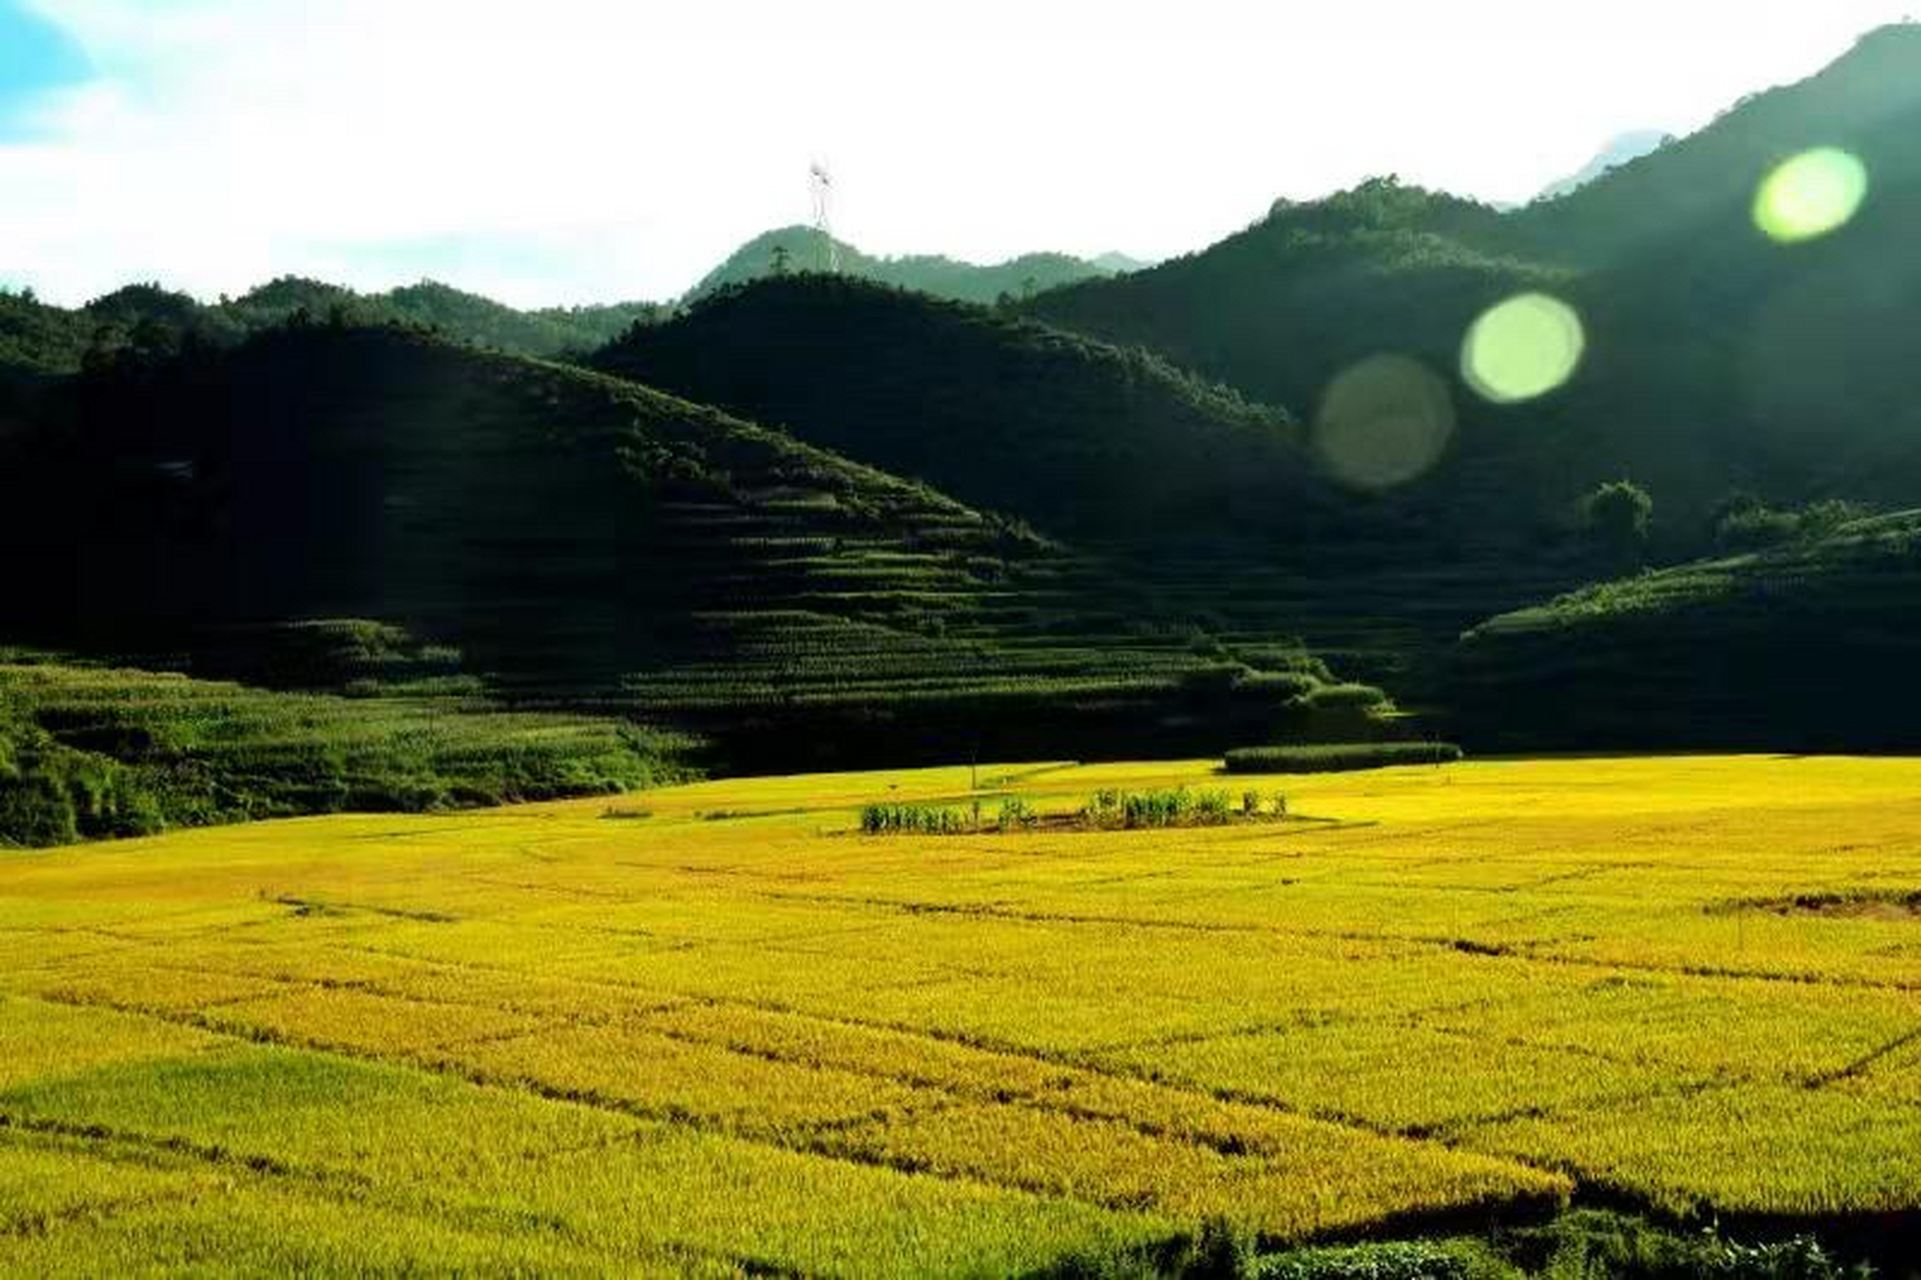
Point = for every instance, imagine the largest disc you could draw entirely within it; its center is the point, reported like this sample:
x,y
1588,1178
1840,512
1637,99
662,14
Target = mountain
x,y
1715,357
38,338
465,317
1079,437
1704,185
585,541
1808,645
802,249
1280,307
1620,150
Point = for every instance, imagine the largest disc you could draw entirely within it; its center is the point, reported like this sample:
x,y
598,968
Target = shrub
x,y
1156,808
1391,1260
1338,757
1619,517
1016,812
1103,808
1331,696
1591,1242
1211,808
909,819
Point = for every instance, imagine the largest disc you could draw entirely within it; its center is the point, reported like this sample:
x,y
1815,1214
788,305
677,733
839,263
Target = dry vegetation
x,y
728,1032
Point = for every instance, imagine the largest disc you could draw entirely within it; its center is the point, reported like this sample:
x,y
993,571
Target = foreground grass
x,y
734,1033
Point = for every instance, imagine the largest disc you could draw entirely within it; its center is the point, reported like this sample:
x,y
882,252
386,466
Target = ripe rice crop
x,y
734,1036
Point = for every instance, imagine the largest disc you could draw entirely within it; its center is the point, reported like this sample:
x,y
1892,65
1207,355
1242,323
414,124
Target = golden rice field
x,y
724,1031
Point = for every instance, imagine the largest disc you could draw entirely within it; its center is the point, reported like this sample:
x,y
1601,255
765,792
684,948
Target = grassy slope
x,y
1806,645
544,1036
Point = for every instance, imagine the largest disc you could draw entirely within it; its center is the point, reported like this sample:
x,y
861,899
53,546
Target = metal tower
x,y
821,183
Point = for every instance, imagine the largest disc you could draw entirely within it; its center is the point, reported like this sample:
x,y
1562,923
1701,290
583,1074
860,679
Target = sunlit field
x,y
716,1028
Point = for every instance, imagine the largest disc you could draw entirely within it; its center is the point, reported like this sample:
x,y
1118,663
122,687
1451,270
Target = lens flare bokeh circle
x,y
1523,348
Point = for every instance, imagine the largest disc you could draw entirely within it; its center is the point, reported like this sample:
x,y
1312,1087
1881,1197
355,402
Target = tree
x,y
780,259
1619,516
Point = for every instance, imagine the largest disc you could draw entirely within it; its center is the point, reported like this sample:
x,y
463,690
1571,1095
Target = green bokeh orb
x,y
1384,422
1523,348
1810,195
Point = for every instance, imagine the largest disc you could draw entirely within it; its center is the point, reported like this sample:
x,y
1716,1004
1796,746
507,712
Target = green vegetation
x,y
1339,757
96,752
1281,308
1743,522
1175,807
913,819
1619,516
149,320
1075,436
1109,809
1801,645
581,541
39,339
1716,355
804,249
1575,1245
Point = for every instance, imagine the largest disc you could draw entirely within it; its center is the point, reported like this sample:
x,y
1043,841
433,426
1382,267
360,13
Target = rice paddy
x,y
729,1032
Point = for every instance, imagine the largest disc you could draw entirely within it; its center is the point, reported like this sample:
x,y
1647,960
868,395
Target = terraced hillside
x,y
716,1029
1801,646
582,539
1209,507
93,752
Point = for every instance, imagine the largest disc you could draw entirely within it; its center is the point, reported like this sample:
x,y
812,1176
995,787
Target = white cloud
x,y
576,150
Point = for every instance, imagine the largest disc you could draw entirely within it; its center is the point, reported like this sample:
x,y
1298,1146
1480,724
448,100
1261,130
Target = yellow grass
x,y
735,1033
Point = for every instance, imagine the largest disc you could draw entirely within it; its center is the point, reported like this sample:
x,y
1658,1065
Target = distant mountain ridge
x,y
38,337
801,248
1623,149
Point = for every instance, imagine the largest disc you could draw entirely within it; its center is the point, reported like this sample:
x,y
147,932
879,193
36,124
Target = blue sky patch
x,y
35,56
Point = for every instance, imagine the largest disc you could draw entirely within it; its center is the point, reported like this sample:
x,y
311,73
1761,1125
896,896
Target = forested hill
x,y
799,249
1076,436
38,338
1716,357
1281,307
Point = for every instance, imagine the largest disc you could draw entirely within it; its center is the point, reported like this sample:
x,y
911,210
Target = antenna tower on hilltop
x,y
821,183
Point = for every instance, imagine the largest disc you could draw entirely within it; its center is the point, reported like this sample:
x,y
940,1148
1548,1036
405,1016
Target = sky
x,y
574,151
